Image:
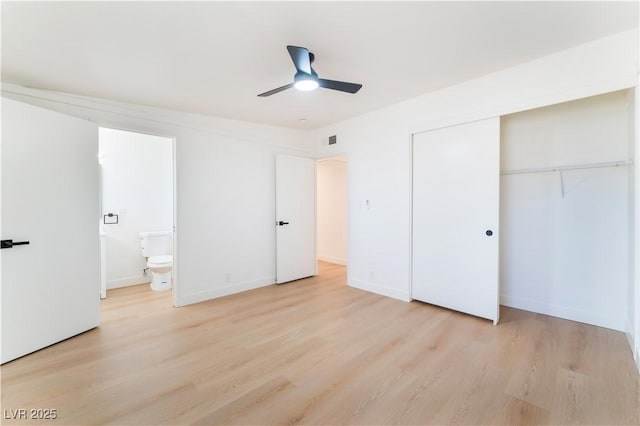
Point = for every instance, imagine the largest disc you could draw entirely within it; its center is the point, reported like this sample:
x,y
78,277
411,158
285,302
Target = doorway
x,y
332,210
137,199
566,210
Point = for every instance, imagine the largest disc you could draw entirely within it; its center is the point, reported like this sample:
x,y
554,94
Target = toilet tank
x,y
156,243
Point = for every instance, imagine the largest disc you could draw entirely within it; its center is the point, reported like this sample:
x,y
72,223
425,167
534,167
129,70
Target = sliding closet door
x,y
456,177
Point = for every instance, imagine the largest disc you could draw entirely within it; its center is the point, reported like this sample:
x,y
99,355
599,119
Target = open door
x,y
50,253
295,218
456,189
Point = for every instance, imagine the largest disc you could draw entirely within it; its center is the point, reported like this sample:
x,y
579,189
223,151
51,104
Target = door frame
x,y
174,188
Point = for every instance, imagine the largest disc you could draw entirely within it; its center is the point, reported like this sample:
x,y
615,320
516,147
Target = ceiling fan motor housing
x,y
304,76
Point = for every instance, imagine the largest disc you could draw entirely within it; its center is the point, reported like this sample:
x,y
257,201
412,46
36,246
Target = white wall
x,y
378,144
567,255
226,212
137,184
225,231
332,210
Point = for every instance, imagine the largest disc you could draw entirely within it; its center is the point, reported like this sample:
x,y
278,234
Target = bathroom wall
x,y
332,210
137,184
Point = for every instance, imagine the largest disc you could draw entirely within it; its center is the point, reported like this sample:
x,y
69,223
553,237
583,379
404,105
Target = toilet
x,y
157,247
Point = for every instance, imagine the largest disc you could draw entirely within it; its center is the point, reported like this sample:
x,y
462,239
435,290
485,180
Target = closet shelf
x,y
565,168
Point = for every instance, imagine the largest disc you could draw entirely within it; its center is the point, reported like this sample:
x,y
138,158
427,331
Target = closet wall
x,y
565,235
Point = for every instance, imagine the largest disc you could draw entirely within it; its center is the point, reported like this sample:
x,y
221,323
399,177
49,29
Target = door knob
x,y
10,243
282,223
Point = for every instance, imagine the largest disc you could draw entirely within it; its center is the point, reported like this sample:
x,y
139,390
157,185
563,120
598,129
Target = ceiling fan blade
x,y
339,85
274,91
300,58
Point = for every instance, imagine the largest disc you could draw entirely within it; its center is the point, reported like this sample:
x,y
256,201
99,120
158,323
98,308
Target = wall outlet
x,y
227,277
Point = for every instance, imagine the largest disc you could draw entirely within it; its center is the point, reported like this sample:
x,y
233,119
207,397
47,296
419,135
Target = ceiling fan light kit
x,y
306,78
305,82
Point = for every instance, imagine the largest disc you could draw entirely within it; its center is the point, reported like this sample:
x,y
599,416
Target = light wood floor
x,y
318,352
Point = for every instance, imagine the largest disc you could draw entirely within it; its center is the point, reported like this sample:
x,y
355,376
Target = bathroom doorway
x,y
332,211
137,195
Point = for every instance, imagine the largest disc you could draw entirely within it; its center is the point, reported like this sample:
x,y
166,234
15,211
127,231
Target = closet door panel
x,y
456,173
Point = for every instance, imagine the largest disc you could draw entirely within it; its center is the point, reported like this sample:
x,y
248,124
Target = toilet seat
x,y
160,261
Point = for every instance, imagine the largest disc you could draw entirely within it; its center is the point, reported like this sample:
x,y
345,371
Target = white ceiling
x,y
214,58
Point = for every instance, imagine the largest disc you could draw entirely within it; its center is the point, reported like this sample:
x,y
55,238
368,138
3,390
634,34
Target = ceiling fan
x,y
306,77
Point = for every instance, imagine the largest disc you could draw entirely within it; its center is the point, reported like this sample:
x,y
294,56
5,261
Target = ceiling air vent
x,y
333,139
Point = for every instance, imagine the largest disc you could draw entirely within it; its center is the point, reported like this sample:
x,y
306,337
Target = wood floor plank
x,y
316,351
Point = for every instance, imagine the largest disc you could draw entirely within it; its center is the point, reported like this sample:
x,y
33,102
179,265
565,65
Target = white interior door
x,y
295,218
456,181
50,287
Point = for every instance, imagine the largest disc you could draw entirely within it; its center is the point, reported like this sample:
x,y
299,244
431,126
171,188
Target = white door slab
x,y
50,287
295,218
456,182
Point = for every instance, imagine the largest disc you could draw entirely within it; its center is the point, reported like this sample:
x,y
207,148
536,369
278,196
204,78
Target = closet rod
x,y
564,168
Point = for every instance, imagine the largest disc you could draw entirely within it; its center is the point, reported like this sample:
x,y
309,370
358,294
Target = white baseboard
x,y
126,282
223,290
332,259
394,293
562,312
